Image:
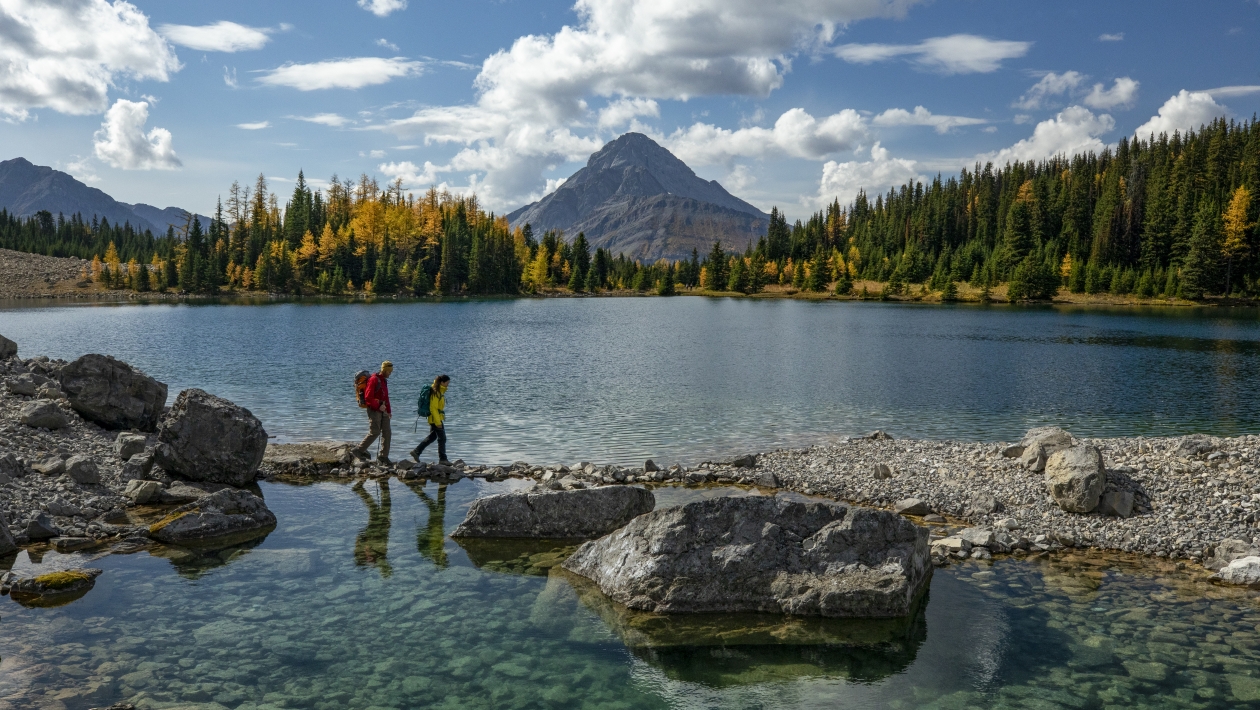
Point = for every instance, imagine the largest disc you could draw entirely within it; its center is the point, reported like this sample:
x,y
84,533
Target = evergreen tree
x,y
1199,271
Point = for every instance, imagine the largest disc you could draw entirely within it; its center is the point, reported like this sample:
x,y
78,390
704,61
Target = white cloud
x,y
1074,130
1227,92
739,179
1050,85
1111,37
254,126
413,177
989,129
795,134
1122,94
83,169
229,77
955,54
922,117
325,119
381,8
619,113
65,55
122,142
222,36
387,44
1021,118
352,73
843,180
1186,111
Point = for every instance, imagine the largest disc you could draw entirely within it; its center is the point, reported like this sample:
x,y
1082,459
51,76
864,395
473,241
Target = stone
x,y
649,466
696,477
8,348
71,544
762,554
128,445
978,537
138,466
142,492
207,438
1116,503
1227,551
877,435
982,504
43,415
912,506
745,461
1075,478
1244,571
933,518
1040,443
112,393
62,508
7,545
49,391
41,527
952,546
51,466
180,493
1196,445
228,513
45,589
1008,524
26,384
767,479
82,470
11,467
881,471
578,513
1014,451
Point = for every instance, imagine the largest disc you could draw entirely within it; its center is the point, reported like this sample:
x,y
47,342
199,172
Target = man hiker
x,y
376,395
435,394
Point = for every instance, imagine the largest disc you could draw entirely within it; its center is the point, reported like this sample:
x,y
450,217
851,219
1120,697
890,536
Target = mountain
x,y
26,188
637,198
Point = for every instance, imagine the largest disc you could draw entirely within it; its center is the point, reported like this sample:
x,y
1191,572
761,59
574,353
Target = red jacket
x,y
377,391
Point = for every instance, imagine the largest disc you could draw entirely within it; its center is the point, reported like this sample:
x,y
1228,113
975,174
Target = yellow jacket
x,y
437,406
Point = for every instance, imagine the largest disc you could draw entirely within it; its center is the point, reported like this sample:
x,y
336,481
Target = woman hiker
x,y
437,419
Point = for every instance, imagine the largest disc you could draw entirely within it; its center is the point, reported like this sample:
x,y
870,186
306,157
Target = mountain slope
x,y
26,188
637,198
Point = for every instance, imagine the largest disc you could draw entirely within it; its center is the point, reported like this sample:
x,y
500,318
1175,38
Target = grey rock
x,y
41,527
50,391
881,471
649,466
767,479
43,415
981,537
142,492
745,461
11,467
51,466
1116,503
30,588
912,506
128,445
696,477
138,466
1075,478
71,544
1014,451
83,470
1244,571
1228,550
982,504
180,493
1040,443
8,348
955,545
1196,445
62,508
877,435
207,438
112,393
229,512
26,384
577,513
7,545
762,554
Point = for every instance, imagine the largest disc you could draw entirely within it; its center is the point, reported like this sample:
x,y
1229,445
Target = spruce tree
x,y
1200,269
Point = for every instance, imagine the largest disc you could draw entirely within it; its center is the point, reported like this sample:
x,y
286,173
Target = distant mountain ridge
x,y
637,198
26,188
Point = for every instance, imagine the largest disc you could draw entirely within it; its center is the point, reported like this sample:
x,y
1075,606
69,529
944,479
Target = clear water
x,y
358,600
685,379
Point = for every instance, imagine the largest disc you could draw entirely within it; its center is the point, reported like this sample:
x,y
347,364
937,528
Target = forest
x,y
1166,216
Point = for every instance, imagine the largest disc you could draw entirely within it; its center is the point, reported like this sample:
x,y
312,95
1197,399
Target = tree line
x,y
1156,216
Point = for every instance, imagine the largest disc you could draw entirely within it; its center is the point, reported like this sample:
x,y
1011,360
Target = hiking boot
x,y
444,462
360,454
415,455
385,460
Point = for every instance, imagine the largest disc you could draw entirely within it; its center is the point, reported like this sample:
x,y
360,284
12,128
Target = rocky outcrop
x,y
762,554
43,415
207,438
1075,478
577,513
112,393
229,513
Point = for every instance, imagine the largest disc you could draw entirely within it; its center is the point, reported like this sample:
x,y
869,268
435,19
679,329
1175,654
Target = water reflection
x,y
431,539
525,556
371,546
194,562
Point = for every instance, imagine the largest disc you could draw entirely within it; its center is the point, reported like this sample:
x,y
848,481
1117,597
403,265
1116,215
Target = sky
x,y
792,103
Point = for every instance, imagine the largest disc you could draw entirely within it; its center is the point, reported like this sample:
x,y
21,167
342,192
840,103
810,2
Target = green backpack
x,y
422,404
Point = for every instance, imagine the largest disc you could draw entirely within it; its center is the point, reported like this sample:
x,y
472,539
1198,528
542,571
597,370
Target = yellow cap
x,y
387,365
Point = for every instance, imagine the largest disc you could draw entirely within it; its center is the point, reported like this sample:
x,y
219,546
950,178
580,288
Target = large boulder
x,y
82,469
112,393
207,438
230,513
8,348
1244,571
762,554
581,512
1038,444
1075,478
43,415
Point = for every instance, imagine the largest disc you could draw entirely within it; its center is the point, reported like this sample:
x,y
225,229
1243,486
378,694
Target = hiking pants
x,y
379,427
438,434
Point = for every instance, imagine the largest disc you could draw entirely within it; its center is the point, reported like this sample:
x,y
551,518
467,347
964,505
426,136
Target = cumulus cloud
x,y
795,134
1186,111
842,181
619,113
352,73
955,54
1050,85
122,142
1122,94
382,8
254,126
221,36
922,117
66,55
325,119
413,177
1074,130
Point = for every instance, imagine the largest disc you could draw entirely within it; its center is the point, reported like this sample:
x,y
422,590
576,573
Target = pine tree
x,y
1200,266
1236,228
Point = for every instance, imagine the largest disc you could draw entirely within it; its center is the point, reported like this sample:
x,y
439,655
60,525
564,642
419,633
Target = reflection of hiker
x,y
376,397
431,540
433,402
371,547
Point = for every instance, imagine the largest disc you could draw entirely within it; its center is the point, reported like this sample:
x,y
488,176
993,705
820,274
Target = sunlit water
x,y
685,379
359,600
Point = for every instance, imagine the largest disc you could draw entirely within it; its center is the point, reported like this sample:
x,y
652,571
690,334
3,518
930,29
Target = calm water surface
x,y
685,379
358,600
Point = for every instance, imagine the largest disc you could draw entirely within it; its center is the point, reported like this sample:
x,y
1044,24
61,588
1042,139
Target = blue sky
x,y
789,103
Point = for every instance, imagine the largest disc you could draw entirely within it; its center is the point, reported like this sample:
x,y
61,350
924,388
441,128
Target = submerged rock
x,y
112,393
762,554
207,438
1075,478
53,589
230,512
581,512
